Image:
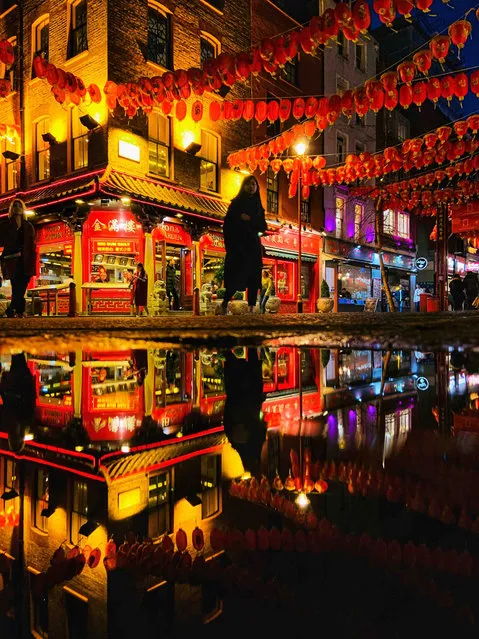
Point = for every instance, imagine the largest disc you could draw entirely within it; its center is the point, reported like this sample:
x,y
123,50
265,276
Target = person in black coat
x,y
456,288
171,290
471,289
243,226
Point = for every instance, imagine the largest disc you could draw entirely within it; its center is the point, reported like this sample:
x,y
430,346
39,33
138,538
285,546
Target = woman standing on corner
x,y
140,290
243,226
17,236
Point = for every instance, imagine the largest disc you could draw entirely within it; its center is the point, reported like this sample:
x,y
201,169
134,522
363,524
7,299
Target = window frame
x,y
163,506
15,164
37,29
84,137
339,212
75,28
340,79
45,150
291,71
358,219
341,136
162,11
272,191
205,161
342,46
210,39
207,490
159,143
360,47
39,522
392,227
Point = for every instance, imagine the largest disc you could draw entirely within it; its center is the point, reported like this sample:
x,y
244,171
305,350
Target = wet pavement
x,y
163,491
429,331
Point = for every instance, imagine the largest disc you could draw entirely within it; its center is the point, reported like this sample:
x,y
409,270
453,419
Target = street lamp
x,y
300,148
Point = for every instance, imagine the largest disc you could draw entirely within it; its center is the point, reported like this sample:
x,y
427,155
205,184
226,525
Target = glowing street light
x,y
300,148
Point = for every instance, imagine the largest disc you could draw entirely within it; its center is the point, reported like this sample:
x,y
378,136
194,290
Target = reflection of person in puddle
x,y
17,390
243,422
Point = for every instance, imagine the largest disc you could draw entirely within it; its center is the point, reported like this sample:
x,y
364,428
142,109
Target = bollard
x,y
196,301
72,301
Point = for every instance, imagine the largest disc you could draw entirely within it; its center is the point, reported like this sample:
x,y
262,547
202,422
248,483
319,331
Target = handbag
x,y
475,303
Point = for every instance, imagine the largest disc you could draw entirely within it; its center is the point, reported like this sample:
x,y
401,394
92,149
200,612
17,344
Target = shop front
x,y
53,391
113,243
173,263
281,259
353,275
173,389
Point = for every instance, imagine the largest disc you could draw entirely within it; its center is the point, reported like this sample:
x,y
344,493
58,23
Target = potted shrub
x,y
325,303
238,305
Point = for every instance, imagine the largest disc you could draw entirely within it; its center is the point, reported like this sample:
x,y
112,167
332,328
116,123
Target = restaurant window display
x,y
212,252
54,390
113,244
174,263
55,262
354,284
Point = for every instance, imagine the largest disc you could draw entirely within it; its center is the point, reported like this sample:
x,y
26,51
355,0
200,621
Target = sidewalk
x,y
421,331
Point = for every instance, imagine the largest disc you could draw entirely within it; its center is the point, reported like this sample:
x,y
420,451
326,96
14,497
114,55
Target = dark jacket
x,y
244,253
9,240
456,288
140,289
471,286
170,278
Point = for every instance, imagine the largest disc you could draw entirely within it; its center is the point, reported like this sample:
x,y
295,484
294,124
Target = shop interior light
x,y
89,122
179,215
11,155
125,448
79,202
125,199
29,213
48,137
29,437
302,500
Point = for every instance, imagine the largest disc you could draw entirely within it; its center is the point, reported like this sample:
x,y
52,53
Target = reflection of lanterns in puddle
x,y
302,500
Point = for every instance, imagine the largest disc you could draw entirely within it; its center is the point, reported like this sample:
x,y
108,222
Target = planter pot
x,y
273,304
325,304
3,307
238,307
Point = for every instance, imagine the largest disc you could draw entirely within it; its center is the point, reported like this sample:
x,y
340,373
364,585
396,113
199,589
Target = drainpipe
x,y
21,93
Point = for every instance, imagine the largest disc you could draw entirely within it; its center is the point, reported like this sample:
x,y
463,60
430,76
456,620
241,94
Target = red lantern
x,y
473,123
361,101
261,111
180,111
7,53
434,89
361,16
305,40
460,129
461,85
310,128
405,96
430,140
474,80
291,45
331,26
267,49
248,110
447,87
272,112
391,100
423,61
319,162
284,110
242,66
94,92
424,5
440,47
459,32
347,105
389,81
443,133
39,66
407,71
343,14
51,74
404,7
311,107
215,111
334,108
419,93
197,111
298,108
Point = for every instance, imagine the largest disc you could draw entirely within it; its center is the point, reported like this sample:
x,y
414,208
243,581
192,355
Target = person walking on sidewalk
x,y
471,289
17,236
140,290
456,288
267,289
243,226
171,289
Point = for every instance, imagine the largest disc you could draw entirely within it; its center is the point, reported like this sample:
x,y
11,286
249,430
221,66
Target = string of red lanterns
x,y
65,86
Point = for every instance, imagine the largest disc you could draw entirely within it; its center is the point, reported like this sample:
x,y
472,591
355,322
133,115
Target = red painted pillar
x,y
441,257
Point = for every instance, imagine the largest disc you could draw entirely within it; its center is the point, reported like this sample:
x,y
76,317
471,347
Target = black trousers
x,y
252,292
457,303
172,292
19,284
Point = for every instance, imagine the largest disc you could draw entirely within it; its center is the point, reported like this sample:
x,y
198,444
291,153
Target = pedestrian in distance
x,y
418,291
171,288
456,288
267,289
471,289
243,227
18,260
140,290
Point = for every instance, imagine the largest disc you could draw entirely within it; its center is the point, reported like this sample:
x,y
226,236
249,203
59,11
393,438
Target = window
x,y
272,128
39,611
272,191
77,616
209,47
159,144
358,220
210,496
42,150
41,39
79,510
341,148
305,210
402,128
290,72
342,44
159,37
79,142
340,208
78,28
12,167
360,56
158,506
396,223
209,162
342,85
42,495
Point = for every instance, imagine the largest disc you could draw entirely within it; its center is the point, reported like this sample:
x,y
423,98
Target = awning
x,y
286,255
56,191
164,196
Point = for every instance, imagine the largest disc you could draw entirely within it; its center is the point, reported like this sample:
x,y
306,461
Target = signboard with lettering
x,y
52,233
288,240
364,254
112,224
421,263
122,247
172,233
212,242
